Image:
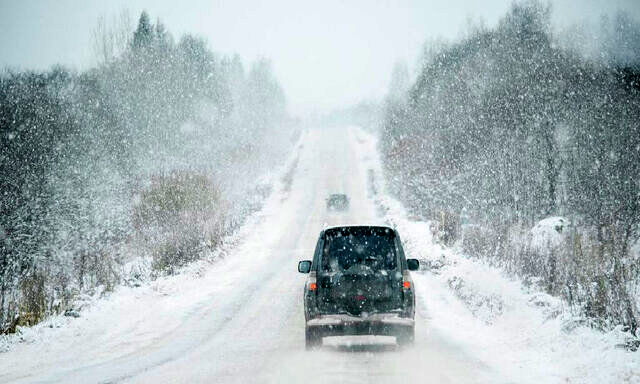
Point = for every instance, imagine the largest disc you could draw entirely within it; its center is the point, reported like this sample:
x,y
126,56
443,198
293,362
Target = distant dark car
x,y
359,284
338,202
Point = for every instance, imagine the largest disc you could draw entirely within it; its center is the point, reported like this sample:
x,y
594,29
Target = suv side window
x,y
317,252
400,251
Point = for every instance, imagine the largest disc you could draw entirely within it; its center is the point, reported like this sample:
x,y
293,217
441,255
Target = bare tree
x,y
111,36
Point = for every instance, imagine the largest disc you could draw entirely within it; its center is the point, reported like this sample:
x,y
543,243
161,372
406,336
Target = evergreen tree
x,y
144,35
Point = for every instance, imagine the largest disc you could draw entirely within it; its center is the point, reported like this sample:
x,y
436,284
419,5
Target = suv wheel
x,y
406,336
312,338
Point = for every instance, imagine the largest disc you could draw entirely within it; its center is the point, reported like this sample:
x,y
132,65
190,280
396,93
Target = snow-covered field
x,y
237,316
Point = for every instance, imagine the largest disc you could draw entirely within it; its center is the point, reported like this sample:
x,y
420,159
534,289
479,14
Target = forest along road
x,y
242,319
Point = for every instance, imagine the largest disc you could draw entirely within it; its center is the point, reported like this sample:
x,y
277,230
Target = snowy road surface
x,y
240,319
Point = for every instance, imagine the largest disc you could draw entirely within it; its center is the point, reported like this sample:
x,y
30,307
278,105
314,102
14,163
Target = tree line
x,y
151,155
511,125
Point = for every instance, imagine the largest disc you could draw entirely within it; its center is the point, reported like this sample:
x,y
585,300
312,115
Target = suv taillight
x,y
406,280
311,283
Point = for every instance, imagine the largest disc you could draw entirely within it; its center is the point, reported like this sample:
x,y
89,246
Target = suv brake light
x,y
312,285
406,280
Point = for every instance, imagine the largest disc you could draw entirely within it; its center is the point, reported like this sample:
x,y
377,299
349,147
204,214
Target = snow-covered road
x,y
240,319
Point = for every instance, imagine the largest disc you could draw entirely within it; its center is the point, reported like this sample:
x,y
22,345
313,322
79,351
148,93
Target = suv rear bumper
x,y
376,324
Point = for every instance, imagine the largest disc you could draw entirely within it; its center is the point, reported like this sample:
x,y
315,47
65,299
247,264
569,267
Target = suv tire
x,y
312,338
406,337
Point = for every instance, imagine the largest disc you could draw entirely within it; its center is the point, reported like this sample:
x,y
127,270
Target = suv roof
x,y
359,226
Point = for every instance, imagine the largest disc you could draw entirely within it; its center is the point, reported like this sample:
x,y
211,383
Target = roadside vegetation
x,y
129,169
524,150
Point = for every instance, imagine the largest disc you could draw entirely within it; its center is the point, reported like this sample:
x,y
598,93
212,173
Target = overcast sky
x,y
327,53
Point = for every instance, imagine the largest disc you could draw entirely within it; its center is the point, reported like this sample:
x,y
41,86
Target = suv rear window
x,y
363,247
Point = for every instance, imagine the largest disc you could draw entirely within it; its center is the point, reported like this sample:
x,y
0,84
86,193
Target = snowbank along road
x,y
240,319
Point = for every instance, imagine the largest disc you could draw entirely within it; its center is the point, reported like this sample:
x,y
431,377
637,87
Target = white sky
x,y
327,53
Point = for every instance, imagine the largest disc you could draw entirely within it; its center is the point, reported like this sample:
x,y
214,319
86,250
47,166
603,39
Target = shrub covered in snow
x,y
178,217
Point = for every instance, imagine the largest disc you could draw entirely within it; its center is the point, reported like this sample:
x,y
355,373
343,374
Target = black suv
x,y
359,284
